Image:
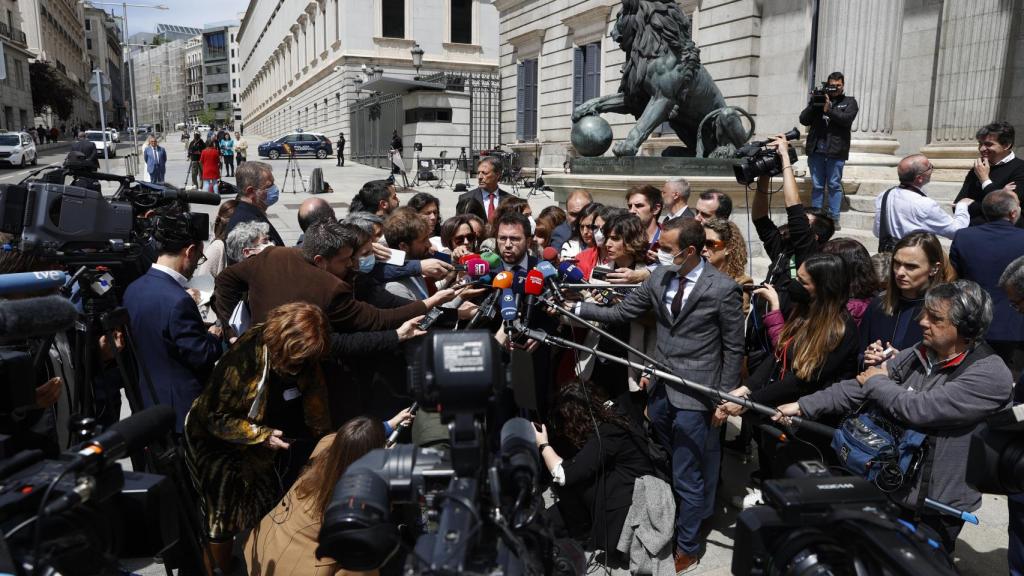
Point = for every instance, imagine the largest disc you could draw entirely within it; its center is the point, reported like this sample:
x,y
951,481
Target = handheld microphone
x,y
467,257
36,317
485,311
477,267
550,254
509,310
570,273
533,288
503,279
393,438
550,274
29,282
491,258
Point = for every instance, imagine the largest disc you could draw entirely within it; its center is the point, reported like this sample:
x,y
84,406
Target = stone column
x,y
861,39
974,47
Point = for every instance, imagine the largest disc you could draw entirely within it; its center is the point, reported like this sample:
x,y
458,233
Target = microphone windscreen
x,y
547,269
477,267
503,280
550,254
30,282
488,245
509,311
208,198
534,283
36,317
466,258
142,428
572,274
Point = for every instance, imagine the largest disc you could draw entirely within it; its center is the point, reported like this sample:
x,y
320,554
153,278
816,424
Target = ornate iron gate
x,y
373,120
484,105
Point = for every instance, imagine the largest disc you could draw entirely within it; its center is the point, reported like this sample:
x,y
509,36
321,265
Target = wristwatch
x,y
541,447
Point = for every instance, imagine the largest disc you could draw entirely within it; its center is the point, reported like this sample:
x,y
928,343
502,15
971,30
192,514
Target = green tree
x,y
207,116
50,91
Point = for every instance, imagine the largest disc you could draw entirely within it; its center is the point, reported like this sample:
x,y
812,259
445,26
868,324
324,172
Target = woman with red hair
x,y
265,393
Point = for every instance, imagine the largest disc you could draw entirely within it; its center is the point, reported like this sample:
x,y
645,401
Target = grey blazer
x,y
704,343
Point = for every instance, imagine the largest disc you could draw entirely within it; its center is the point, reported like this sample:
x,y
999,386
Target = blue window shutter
x,y
578,67
531,96
592,73
521,101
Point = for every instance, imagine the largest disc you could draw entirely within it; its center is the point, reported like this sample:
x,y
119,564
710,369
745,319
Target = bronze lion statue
x,y
664,80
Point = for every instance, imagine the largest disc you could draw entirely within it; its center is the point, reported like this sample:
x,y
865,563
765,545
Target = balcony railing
x,y
13,33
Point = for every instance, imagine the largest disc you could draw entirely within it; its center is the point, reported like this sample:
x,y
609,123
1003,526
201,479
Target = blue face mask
x,y
272,195
366,263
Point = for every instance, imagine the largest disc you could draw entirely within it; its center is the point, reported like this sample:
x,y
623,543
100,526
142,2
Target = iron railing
x,y
13,33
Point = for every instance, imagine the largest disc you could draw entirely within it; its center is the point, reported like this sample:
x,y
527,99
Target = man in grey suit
x,y
700,336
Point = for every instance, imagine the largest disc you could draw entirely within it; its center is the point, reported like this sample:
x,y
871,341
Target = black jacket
x,y
195,149
834,127
1000,175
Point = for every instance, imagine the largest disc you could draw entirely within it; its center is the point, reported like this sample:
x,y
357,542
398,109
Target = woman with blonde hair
x,y
726,250
265,395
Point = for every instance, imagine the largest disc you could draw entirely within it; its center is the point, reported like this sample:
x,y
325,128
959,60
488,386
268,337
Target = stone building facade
x,y
104,50
303,62
55,31
15,89
161,97
194,77
926,73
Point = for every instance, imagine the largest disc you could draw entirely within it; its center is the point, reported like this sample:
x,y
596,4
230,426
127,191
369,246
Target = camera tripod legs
x,y
296,174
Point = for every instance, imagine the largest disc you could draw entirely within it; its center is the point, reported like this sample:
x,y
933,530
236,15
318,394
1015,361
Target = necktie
x,y
677,301
490,206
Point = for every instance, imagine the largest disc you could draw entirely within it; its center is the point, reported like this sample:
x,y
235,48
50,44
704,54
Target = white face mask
x,y
667,258
533,225
599,237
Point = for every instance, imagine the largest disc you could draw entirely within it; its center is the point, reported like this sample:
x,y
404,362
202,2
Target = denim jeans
x,y
825,170
684,433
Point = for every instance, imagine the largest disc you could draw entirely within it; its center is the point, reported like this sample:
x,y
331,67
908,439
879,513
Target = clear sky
x,y
193,13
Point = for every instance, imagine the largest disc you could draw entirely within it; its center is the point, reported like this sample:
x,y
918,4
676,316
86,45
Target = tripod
x,y
296,173
188,173
464,162
538,181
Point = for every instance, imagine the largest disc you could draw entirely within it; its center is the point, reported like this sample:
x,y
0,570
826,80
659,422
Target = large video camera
x,y
761,160
75,224
815,523
79,513
477,513
995,461
820,95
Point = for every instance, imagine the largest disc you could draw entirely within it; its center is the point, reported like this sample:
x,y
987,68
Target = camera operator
x,y
944,387
700,333
84,153
828,141
171,339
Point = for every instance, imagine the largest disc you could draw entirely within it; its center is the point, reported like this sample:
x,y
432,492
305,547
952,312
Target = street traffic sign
x,y
94,89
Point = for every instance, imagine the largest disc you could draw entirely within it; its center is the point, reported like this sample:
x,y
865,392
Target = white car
x,y
100,139
201,128
17,149
114,134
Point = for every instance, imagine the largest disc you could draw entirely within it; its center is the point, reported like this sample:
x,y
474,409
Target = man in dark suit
x,y
173,344
996,167
578,200
341,149
256,193
700,336
974,257
488,174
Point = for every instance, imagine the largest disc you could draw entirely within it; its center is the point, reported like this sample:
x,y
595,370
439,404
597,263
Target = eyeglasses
x,y
202,260
465,239
714,244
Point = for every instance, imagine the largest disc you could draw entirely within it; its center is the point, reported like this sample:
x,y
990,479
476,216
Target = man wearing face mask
x,y
256,193
322,272
700,334
172,341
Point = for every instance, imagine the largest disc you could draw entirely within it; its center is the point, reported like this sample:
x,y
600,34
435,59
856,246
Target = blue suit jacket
x,y
981,253
155,160
171,340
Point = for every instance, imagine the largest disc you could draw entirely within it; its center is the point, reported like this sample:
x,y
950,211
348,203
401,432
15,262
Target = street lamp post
x,y
417,58
131,73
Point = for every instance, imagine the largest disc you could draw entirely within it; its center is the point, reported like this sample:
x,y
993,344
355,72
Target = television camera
x,y
816,523
477,513
995,461
820,95
759,159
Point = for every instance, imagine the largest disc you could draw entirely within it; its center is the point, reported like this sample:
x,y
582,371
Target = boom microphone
x,y
550,254
29,282
208,198
126,437
533,288
36,317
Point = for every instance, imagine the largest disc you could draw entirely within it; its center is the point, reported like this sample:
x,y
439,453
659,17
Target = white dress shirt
x,y
181,280
910,211
988,181
673,287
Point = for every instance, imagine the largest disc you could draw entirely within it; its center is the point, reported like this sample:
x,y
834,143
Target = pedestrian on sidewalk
x,y
156,160
227,151
54,134
241,148
210,161
341,149
195,150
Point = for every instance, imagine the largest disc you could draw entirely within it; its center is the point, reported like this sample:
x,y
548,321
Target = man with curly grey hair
x,y
247,239
944,387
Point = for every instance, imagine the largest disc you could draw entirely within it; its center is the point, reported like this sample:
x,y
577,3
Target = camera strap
x,y
886,241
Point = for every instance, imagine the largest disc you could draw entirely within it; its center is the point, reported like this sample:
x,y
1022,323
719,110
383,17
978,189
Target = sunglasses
x,y
463,238
714,244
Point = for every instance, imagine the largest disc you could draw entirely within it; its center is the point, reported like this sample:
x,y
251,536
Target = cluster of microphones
x,y
515,290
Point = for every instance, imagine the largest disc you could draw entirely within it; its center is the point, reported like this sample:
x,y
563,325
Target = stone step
x,y
941,192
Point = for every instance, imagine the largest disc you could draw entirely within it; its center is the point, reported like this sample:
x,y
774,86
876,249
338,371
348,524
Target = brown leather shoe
x,y
684,562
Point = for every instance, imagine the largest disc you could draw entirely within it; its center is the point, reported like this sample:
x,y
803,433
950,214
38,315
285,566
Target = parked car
x,y
303,143
202,129
100,139
17,148
114,134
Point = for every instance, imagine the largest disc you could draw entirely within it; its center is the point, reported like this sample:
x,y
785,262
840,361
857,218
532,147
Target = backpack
x,y
873,447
